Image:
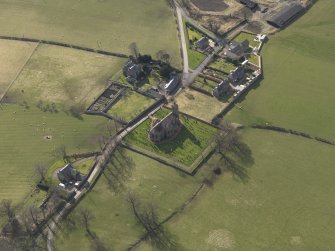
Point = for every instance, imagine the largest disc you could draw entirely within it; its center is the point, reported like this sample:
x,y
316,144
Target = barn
x,y
285,15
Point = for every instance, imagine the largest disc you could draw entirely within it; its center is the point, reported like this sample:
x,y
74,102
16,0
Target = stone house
x,y
166,128
236,75
69,174
236,50
202,44
133,72
222,89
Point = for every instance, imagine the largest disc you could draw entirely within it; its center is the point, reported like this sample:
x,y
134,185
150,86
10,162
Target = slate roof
x,y
285,15
203,43
250,4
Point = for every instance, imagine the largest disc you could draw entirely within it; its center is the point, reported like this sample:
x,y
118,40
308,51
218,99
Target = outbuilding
x,y
285,15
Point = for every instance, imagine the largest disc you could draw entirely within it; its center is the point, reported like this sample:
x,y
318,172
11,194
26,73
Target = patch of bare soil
x,y
210,5
47,137
221,238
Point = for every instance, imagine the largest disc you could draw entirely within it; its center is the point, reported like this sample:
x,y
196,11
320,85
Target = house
x,y
170,86
166,128
250,4
285,15
69,174
222,89
236,50
202,44
133,72
236,75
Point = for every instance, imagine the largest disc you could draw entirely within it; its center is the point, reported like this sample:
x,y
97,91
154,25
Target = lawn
x,y
185,148
110,25
194,57
223,65
298,87
130,105
287,203
63,76
199,105
193,34
252,58
13,56
244,35
114,223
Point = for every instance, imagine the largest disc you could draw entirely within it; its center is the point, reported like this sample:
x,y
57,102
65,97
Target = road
x,y
100,164
182,40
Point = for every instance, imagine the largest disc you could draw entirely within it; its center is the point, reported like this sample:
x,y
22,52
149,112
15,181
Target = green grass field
x,y
56,75
130,105
298,86
114,223
13,56
63,76
185,148
23,144
199,105
110,25
223,65
286,204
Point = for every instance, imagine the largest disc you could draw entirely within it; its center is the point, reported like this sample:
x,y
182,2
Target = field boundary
x,y
66,45
18,73
290,131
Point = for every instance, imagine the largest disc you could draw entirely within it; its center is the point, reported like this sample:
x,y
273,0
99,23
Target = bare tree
x,y
134,50
164,56
85,218
41,172
7,210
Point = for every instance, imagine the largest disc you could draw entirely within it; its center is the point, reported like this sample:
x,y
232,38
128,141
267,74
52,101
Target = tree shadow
x,y
162,240
119,170
181,137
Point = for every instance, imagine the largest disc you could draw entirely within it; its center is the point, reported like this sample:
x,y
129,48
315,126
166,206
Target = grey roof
x,y
221,88
250,4
203,43
237,74
172,84
285,15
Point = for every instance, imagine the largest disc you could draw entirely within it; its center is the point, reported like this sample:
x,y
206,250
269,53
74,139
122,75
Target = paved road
x,y
182,39
100,164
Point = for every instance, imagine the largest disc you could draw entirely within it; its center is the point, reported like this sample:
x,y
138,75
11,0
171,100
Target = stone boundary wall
x,y
293,132
33,40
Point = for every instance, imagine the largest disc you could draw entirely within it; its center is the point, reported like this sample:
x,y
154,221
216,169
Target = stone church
x,y
166,128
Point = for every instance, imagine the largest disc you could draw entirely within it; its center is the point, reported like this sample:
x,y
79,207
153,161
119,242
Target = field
x,y
199,105
13,56
63,76
110,25
114,223
298,87
185,148
37,105
130,105
286,204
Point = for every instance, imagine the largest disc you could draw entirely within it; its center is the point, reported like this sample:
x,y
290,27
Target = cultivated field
x,y
110,25
114,223
193,138
286,204
199,105
298,86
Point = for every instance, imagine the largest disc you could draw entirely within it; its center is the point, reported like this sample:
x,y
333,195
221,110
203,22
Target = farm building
x,y
285,15
133,72
236,50
171,85
222,89
202,43
250,4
